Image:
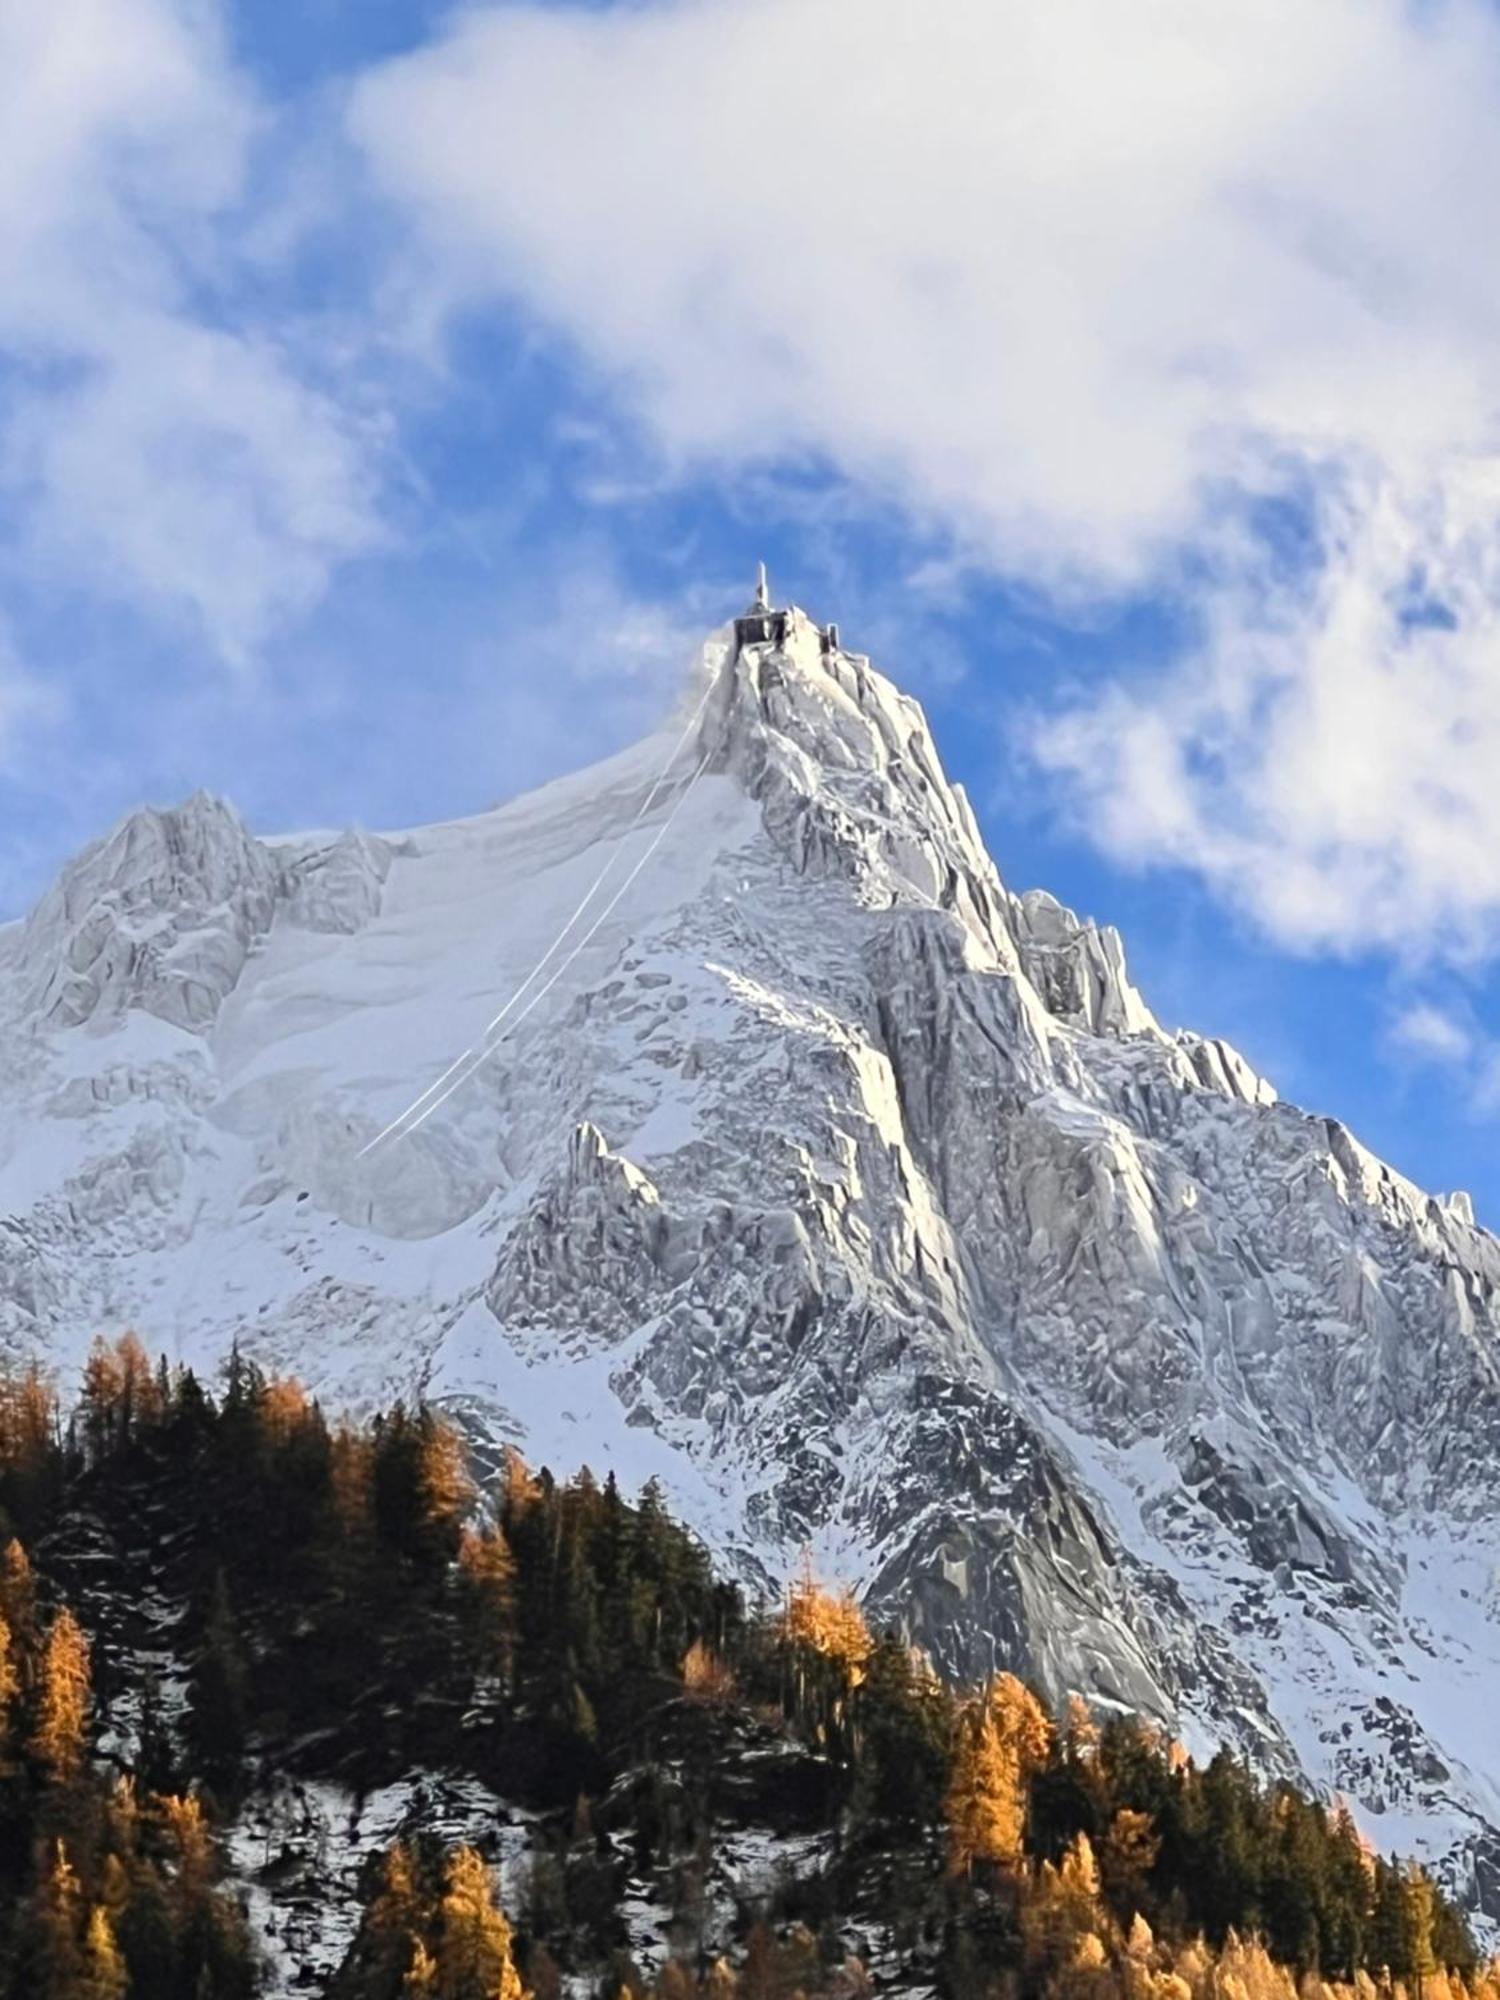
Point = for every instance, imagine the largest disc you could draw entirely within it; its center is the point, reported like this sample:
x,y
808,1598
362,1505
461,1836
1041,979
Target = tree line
x,y
344,1602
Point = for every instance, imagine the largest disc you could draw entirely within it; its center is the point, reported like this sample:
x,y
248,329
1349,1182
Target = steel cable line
x,y
404,1117
482,1055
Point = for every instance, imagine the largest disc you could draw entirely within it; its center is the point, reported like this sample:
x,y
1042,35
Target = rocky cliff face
x,y
858,1198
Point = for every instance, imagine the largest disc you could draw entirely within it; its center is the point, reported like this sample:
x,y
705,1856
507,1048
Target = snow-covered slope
x,y
859,1199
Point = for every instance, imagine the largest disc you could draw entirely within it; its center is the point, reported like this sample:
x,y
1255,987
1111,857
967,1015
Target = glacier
x,y
860,1200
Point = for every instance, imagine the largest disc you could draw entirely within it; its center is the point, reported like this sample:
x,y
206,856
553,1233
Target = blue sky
x,y
390,393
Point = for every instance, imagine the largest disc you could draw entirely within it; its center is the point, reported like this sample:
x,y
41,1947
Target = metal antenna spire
x,y
762,591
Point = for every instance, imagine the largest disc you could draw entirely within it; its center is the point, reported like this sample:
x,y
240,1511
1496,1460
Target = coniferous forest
x,y
205,1588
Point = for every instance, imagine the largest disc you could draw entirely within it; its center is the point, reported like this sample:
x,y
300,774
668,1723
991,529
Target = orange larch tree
x,y
65,1692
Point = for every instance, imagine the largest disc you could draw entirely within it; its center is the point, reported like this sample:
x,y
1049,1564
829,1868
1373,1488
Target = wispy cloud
x,y
1444,1040
161,440
1431,1035
1164,297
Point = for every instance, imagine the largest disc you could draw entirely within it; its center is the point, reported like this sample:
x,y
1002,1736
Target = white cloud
x,y
1088,284
1425,1031
155,443
1450,1043
1327,756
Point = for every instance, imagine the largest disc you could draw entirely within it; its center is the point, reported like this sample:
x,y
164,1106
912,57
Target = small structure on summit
x,y
761,625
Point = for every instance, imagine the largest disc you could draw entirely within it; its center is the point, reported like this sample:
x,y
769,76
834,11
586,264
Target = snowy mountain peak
x,y
744,1129
843,766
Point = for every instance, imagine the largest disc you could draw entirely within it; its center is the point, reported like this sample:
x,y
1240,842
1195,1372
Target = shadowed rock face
x,y
860,1199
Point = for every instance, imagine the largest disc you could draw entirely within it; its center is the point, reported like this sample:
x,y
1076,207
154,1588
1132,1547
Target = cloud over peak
x,y
1110,294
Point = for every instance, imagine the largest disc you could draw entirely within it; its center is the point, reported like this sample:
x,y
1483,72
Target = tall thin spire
x,y
762,591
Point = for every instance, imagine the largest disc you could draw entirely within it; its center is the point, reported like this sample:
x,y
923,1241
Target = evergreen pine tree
x,y
902,1723
155,1762
489,1573
218,1691
1421,1919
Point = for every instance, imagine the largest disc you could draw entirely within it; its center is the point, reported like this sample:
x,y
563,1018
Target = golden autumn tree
x,y
420,1980
984,1819
1131,1845
830,1625
395,1953
826,1647
447,1489
10,1686
721,1983
519,1487
705,1676
1060,1917
1081,1732
121,1393
395,1908
63,1703
474,1955
284,1408
104,1975
29,1436
18,1592
1004,1737
99,1406
55,1922
1078,1874
1246,1971
191,1844
1140,1939
140,1391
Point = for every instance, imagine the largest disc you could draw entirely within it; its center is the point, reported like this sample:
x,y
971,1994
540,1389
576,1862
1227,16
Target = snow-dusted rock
x,y
336,886
1078,969
160,914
